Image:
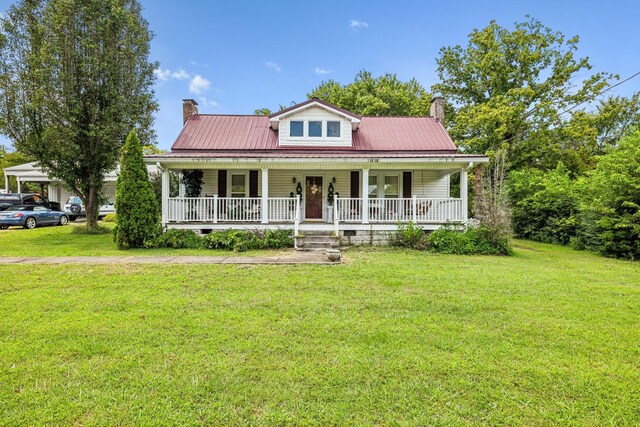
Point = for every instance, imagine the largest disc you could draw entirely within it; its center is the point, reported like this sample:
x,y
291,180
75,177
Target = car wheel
x,y
3,227
72,218
30,223
63,220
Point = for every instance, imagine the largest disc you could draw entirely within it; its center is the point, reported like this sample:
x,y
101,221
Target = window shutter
x,y
406,185
355,184
253,183
222,183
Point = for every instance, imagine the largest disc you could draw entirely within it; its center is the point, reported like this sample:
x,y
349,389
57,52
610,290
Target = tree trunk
x,y
91,207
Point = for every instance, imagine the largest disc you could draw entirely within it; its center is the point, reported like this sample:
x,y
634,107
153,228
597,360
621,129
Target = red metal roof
x,y
247,135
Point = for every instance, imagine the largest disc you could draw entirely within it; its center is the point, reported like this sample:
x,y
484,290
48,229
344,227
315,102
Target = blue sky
x,y
236,56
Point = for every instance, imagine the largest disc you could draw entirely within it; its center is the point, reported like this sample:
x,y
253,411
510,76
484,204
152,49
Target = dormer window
x,y
315,129
297,128
314,123
333,129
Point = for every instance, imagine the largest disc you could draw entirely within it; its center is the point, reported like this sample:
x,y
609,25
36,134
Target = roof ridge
x,y
229,115
398,117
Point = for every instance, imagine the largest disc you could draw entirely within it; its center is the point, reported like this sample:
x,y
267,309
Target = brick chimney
x,y
437,109
189,108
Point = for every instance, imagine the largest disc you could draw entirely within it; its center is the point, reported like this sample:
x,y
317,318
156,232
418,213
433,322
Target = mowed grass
x,y
62,241
549,336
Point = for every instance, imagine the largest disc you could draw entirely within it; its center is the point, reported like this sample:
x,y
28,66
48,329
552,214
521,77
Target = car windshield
x,y
21,208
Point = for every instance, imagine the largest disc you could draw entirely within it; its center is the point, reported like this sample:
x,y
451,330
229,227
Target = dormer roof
x,y
274,119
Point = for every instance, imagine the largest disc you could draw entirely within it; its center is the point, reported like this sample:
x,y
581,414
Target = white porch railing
x,y
348,209
288,210
231,209
416,209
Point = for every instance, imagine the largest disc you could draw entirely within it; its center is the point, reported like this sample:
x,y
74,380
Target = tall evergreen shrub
x,y
136,204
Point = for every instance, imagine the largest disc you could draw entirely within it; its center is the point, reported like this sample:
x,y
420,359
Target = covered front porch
x,y
316,195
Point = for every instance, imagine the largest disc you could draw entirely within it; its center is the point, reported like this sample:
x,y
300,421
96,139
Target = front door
x,y
313,198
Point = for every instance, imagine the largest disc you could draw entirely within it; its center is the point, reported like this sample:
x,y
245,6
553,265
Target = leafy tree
x,y
74,79
262,112
610,206
156,182
511,86
136,204
376,96
192,180
490,205
545,205
8,159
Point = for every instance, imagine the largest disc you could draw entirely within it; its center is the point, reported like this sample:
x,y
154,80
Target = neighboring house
x,y
54,189
315,167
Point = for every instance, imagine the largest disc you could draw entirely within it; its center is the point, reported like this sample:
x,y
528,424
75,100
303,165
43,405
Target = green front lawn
x,y
61,241
548,336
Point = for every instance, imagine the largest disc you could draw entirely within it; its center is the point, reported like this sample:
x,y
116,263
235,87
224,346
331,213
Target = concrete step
x,y
317,242
319,239
317,245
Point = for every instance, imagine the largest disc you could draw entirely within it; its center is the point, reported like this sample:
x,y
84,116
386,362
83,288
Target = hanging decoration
x,y
330,194
299,190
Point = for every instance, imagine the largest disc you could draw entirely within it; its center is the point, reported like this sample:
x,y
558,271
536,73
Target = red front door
x,y
313,198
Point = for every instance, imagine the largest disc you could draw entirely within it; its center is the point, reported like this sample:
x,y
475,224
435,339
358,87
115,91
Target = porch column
x,y
6,181
365,196
265,196
464,194
165,196
19,183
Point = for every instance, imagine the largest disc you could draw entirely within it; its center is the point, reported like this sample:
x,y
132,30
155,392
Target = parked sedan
x,y
29,216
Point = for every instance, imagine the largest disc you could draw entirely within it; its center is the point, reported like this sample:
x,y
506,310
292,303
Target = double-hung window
x,y
238,185
391,187
373,186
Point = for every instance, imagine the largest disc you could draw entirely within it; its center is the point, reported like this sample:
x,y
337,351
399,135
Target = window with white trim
x,y
391,186
373,186
296,128
333,129
238,185
315,128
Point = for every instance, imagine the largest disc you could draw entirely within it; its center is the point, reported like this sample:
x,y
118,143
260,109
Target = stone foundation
x,y
365,237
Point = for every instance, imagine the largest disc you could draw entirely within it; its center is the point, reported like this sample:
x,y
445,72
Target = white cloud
x,y
180,74
199,85
207,102
162,74
357,25
273,66
321,71
166,74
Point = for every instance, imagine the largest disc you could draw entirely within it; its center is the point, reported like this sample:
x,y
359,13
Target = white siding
x,y
210,182
315,113
430,183
426,183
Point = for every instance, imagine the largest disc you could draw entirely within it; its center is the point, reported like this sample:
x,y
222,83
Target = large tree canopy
x,y
376,96
512,86
74,80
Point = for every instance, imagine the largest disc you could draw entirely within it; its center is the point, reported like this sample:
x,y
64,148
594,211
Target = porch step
x,y
316,242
